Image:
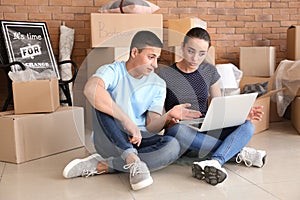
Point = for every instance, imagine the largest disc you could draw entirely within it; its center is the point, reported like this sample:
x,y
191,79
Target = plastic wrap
x,y
66,42
230,75
287,76
29,75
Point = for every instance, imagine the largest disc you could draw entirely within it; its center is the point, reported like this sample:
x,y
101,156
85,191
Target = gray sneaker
x,y
139,175
252,157
83,167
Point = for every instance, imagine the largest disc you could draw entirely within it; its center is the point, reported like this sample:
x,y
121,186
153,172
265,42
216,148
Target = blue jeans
x,y
223,144
111,142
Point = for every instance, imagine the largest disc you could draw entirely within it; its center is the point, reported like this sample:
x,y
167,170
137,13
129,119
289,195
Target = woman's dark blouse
x,y
190,88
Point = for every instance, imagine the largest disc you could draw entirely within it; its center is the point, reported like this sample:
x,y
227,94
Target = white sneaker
x,y
139,175
83,167
209,170
252,157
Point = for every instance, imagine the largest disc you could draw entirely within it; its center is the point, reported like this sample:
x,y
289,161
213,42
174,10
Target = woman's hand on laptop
x,y
255,113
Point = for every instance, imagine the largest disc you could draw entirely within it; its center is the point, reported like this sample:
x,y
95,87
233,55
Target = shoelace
x,y
134,168
246,157
88,173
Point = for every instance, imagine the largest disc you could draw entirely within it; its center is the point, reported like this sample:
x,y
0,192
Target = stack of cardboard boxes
x,y
38,126
293,53
258,65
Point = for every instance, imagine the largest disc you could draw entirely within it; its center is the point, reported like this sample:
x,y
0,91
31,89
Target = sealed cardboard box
x,y
263,100
36,96
257,61
295,113
179,27
30,136
108,55
293,43
117,30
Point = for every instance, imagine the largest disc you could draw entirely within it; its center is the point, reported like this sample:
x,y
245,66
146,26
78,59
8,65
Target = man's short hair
x,y
143,39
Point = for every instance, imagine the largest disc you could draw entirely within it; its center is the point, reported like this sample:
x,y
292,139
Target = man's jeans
x,y
223,144
111,142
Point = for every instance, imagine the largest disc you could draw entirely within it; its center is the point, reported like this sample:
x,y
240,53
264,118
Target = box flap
x,y
270,93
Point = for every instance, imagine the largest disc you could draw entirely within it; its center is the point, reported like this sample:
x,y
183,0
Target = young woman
x,y
193,80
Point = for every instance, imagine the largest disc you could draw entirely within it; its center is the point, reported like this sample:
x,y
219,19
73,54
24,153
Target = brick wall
x,y
239,23
231,23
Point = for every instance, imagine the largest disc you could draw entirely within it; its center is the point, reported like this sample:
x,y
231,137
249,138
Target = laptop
x,y
223,112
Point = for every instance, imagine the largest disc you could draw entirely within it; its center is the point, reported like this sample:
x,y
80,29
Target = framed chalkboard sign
x,y
29,43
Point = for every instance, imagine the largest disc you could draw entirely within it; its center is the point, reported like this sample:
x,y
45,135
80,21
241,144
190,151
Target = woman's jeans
x,y
223,144
111,142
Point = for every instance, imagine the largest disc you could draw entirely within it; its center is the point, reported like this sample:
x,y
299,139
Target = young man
x,y
128,98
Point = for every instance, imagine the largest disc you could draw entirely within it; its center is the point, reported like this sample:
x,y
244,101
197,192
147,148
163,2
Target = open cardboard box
x,y
36,96
263,100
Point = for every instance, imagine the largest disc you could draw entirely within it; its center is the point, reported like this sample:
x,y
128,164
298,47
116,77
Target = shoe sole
x,y
142,184
210,174
263,162
74,163
197,172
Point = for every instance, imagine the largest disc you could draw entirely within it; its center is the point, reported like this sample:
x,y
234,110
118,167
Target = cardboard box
x,y
274,117
108,56
117,30
30,136
257,61
179,27
36,96
293,42
264,123
295,113
263,100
